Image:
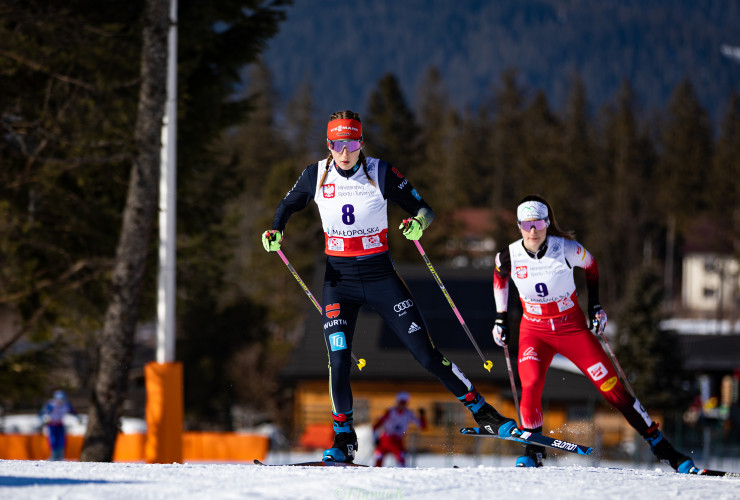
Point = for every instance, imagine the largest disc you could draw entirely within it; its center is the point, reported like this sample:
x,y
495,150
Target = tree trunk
x,y
116,344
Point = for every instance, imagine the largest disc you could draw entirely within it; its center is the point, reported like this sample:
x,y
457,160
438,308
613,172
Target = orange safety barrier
x,y
197,446
226,447
318,436
164,413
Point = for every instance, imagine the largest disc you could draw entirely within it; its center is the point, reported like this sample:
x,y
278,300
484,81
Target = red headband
x,y
344,129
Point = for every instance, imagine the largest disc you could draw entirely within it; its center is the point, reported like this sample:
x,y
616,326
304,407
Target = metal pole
x,y
168,205
513,383
617,365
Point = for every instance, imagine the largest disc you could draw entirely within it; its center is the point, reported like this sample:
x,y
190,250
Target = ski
x,y
529,438
327,463
715,473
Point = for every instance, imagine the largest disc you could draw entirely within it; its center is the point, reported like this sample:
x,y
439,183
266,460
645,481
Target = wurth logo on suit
x,y
332,311
329,324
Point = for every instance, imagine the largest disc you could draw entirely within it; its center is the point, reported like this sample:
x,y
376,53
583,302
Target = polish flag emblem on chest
x,y
521,272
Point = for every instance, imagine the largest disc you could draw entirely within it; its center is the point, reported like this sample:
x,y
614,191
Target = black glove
x,y
501,329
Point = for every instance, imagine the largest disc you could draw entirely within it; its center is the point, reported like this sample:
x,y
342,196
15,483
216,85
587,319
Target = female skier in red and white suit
x,y
541,264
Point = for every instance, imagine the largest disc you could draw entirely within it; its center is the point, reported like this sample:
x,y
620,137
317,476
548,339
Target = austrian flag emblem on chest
x,y
521,272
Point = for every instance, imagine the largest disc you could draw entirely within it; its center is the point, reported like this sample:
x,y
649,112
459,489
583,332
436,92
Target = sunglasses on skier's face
x,y
338,146
539,224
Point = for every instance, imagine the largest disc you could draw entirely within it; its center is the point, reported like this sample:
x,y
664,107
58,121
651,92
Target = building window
x,y
709,293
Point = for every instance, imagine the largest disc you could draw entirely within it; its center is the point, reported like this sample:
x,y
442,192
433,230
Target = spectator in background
x,y
390,429
52,415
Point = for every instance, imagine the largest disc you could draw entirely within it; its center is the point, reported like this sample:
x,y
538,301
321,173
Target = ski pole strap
x,y
487,363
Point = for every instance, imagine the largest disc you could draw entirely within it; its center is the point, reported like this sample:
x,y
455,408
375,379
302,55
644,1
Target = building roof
x,y
707,353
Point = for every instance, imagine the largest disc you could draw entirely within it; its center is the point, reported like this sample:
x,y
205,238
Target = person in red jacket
x,y
391,428
541,265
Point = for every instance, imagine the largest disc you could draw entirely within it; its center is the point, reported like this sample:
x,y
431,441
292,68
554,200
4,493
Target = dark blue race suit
x,y
351,282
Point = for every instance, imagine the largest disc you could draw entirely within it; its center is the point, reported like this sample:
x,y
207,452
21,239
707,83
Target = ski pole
x,y
513,383
617,365
487,364
360,362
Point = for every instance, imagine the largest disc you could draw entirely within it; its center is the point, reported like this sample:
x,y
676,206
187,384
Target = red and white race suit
x,y
553,323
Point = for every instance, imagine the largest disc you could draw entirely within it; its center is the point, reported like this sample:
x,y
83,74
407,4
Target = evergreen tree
x,y
649,355
508,144
475,156
685,157
723,192
440,176
392,134
545,170
390,128
579,157
625,208
67,144
64,148
438,173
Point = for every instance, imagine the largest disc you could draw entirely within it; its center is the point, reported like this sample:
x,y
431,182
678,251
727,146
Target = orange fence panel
x,y
200,446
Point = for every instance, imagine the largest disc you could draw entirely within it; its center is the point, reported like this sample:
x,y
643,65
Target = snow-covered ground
x,y
435,477
565,476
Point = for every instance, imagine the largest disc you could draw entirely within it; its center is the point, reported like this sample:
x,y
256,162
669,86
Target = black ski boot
x,y
533,456
665,452
345,440
488,418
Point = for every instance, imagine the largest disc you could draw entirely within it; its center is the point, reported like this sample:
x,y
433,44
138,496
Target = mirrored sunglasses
x,y
539,224
338,146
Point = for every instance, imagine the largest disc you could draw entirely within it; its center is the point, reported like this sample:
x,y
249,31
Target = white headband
x,y
532,210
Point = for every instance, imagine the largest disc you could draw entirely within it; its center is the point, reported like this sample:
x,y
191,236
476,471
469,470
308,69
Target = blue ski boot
x,y
345,440
533,456
488,418
665,452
